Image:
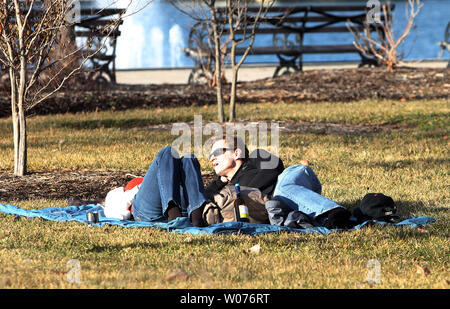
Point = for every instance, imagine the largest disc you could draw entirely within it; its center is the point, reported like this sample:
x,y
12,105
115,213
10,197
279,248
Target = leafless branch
x,y
385,48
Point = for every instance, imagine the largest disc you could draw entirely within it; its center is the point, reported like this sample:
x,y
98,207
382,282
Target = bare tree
x,y
217,57
226,25
385,47
206,43
32,34
242,30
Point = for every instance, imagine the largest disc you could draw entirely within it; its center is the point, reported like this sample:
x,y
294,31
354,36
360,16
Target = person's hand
x,y
223,179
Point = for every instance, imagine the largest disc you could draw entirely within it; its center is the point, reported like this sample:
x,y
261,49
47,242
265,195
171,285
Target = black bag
x,y
376,206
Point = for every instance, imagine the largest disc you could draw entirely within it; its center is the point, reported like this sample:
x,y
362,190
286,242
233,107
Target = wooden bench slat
x,y
291,51
276,30
99,56
325,8
101,12
98,22
295,50
93,33
309,19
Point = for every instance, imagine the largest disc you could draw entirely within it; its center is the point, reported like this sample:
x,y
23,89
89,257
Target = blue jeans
x,y
299,188
169,179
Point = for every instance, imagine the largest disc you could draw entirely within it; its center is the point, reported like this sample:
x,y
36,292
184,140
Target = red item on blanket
x,y
131,184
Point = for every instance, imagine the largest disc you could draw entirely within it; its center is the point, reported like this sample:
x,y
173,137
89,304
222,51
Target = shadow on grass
x,y
106,123
406,209
407,163
142,245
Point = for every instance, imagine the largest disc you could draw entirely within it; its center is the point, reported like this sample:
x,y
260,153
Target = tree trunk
x,y
218,72
19,132
233,95
20,166
22,151
219,92
232,112
15,119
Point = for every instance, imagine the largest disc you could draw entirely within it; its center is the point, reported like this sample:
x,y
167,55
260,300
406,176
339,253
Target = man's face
x,y
222,157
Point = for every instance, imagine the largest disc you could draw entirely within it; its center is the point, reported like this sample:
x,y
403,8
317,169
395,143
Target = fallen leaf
x,y
188,240
178,275
422,230
256,249
304,162
422,270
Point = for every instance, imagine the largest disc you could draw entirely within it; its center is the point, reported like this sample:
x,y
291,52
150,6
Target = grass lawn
x,y
407,159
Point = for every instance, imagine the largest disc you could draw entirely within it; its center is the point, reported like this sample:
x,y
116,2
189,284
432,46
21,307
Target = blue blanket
x,y
183,225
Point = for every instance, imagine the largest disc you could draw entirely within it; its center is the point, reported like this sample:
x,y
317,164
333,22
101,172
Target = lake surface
x,y
154,37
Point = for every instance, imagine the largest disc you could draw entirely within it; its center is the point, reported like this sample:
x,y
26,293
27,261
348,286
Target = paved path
x,y
246,73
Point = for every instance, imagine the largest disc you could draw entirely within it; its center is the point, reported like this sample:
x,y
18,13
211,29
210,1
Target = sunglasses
x,y
218,152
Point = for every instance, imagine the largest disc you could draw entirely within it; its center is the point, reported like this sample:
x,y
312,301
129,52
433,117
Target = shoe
x,y
173,211
337,218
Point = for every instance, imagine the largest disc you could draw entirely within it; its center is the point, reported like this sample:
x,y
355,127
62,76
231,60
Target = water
x,y
154,37
176,43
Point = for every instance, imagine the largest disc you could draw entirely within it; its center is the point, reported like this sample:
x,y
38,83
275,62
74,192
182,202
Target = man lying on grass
x,y
296,187
173,187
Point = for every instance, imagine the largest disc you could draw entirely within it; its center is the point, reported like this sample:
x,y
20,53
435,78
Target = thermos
x,y
92,217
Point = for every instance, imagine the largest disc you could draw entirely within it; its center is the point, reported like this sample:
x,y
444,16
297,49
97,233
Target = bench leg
x,y
367,61
197,76
105,69
275,74
288,64
101,73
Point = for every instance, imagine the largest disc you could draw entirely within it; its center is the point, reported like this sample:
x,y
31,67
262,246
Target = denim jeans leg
x,y
299,188
192,184
161,185
147,202
169,179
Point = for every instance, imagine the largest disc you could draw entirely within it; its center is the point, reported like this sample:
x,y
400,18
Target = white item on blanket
x,y
118,203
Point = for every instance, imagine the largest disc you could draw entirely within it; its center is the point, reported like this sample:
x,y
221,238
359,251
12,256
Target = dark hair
x,y
235,142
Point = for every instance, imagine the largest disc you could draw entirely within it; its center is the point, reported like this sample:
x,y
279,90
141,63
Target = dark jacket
x,y
252,173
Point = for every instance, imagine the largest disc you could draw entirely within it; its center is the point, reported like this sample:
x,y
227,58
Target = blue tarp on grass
x,y
183,225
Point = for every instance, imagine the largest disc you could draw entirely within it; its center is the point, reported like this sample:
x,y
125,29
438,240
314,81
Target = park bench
x,y
288,26
92,25
445,45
